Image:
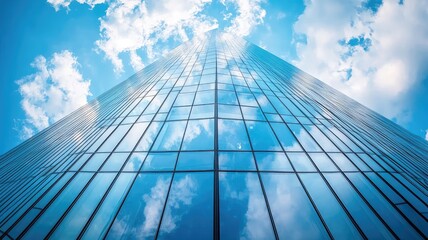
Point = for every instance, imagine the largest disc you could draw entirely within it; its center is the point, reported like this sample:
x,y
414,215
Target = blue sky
x,y
58,54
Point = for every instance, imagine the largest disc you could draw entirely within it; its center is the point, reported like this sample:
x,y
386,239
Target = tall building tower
x,y
219,139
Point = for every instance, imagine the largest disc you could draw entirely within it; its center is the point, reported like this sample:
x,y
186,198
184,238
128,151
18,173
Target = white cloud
x,y
249,14
131,26
426,135
56,89
58,4
386,61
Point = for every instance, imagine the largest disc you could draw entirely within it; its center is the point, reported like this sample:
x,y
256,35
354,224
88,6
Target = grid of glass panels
x,y
219,139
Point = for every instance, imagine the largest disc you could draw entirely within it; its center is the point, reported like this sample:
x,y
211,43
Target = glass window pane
x,y
115,162
301,162
343,162
293,213
195,161
229,111
286,138
170,136
76,218
273,161
101,221
202,111
232,135
199,135
262,136
252,113
114,138
339,224
243,212
389,214
160,161
226,97
304,138
205,97
135,161
132,137
149,136
372,227
323,162
179,113
140,214
46,222
95,162
358,162
184,99
191,194
246,99
236,161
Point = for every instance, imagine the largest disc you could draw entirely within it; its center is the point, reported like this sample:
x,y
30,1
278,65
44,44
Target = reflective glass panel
x,y
236,161
262,136
170,136
199,135
232,135
274,161
195,161
160,161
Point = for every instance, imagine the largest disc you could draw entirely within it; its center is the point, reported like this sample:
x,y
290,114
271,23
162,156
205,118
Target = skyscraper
x,y
218,139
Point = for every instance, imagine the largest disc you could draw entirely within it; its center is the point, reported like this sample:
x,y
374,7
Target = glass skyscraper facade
x,y
218,139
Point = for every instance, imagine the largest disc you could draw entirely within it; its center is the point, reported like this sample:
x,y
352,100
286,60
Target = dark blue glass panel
x,y
232,135
389,214
369,223
339,224
46,222
293,213
191,194
76,218
262,136
243,212
104,216
140,214
272,161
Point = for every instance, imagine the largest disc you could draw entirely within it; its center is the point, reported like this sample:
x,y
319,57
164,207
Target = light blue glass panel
x,y
199,135
229,111
46,222
114,138
179,113
191,194
195,161
342,161
236,161
140,214
205,97
389,214
372,227
184,99
232,135
227,97
286,138
358,162
321,139
323,162
273,161
115,162
202,111
304,138
170,136
105,214
95,162
246,99
301,162
339,224
160,161
262,136
149,136
293,213
134,162
76,218
243,212
252,113
132,137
